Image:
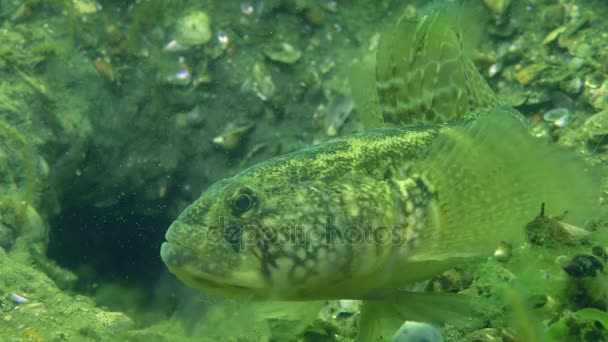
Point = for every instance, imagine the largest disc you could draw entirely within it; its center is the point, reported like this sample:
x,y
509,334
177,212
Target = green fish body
x,y
362,216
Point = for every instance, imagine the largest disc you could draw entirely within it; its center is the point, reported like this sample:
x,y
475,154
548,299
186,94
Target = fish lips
x,y
189,265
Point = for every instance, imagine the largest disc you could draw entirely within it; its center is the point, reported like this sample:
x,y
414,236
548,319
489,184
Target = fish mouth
x,y
191,266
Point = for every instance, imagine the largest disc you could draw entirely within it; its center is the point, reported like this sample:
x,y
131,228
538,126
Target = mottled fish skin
x,y
313,213
362,216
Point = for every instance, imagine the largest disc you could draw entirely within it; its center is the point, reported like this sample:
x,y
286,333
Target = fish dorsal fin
x,y
423,73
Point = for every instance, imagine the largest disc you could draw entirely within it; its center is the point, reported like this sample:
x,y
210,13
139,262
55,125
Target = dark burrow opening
x,y
111,247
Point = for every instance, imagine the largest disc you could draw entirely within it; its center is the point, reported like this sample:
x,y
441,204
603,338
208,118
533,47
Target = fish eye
x,y
243,200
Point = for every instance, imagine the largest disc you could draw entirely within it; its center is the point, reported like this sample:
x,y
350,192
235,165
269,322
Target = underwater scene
x,y
303,170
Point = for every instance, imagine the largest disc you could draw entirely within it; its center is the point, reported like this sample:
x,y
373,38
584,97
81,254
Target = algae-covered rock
x,y
34,309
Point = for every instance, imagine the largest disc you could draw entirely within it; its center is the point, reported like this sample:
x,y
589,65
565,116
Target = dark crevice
x,y
112,244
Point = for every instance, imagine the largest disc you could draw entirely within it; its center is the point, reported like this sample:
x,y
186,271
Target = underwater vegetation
x,y
116,115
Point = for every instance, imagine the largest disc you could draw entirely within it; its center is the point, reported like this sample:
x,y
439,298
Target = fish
x,y
451,173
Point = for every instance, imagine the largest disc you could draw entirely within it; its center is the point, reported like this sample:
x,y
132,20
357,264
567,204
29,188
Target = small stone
x,y
111,323
193,29
282,53
263,85
86,6
573,86
552,36
338,111
412,331
559,117
593,81
233,136
543,230
314,15
529,73
497,7
584,265
503,252
595,129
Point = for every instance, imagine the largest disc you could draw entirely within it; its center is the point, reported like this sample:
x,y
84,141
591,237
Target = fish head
x,y
257,239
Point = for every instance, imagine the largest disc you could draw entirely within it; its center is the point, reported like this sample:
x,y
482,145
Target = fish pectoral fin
x,y
487,179
439,308
381,319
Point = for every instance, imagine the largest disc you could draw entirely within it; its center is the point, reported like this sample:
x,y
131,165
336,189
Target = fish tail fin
x,y
489,178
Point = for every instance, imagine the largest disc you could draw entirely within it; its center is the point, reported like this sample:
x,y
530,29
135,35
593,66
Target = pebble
x,y
233,136
314,15
193,29
559,117
529,73
503,252
497,7
282,53
412,331
584,265
574,86
595,129
550,230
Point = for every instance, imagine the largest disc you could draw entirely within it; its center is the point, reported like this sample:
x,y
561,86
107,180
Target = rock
x,y
584,265
314,15
529,73
503,252
193,29
551,230
282,53
36,305
497,7
263,85
412,331
559,117
595,129
233,136
114,322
